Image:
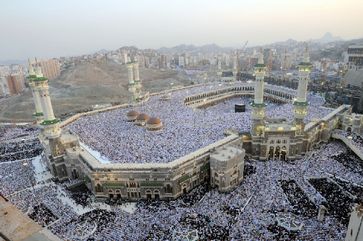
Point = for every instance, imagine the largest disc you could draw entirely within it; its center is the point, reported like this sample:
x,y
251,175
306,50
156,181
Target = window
x,y
99,188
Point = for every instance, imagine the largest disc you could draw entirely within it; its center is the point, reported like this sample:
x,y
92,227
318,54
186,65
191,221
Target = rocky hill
x,y
86,84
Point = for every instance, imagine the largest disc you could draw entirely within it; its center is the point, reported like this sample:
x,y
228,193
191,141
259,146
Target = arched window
x,y
168,188
99,188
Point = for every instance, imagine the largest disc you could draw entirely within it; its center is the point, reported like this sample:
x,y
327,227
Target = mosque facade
x,y
219,164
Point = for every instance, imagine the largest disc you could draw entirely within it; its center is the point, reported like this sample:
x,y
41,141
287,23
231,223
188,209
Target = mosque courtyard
x,y
271,191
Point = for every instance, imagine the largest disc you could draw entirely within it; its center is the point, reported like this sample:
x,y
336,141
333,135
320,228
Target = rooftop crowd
x,y
185,129
354,138
249,212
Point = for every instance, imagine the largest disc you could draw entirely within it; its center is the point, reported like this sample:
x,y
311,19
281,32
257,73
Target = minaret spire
x,y
30,68
258,107
32,77
260,58
306,57
38,69
131,85
260,72
301,104
43,104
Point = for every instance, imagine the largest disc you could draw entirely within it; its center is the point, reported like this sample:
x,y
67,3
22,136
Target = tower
x,y
40,85
219,63
131,84
38,114
50,124
136,75
301,104
258,107
235,64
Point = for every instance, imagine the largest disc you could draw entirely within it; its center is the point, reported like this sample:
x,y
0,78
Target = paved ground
x,y
14,225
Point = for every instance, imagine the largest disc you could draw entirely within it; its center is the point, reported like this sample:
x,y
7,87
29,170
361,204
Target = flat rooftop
x,y
185,129
14,225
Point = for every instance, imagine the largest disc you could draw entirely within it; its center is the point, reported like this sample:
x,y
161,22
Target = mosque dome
x,y
141,119
132,115
154,124
153,121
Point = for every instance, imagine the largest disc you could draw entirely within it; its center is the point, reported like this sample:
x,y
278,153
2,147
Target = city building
x,y
354,61
355,56
15,84
4,89
50,67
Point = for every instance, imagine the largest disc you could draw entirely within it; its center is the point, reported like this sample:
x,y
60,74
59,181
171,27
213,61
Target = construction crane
x,y
238,54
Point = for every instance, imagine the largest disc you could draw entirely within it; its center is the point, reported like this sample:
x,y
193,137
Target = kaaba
x,y
239,108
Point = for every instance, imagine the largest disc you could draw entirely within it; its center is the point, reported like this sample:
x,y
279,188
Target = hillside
x,y
86,84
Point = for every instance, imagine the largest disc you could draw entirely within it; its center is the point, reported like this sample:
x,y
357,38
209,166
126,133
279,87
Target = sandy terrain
x,y
86,84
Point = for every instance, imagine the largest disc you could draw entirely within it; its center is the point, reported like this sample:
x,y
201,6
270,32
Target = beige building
x,y
15,84
50,67
4,89
226,168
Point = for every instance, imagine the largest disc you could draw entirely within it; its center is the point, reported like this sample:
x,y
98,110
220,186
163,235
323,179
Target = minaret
x,y
50,124
235,64
137,80
258,106
131,85
219,65
38,114
136,75
301,104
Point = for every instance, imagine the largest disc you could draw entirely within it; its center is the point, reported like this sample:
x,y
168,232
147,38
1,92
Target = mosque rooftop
x,y
185,129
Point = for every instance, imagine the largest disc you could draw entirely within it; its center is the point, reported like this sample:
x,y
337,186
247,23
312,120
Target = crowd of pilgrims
x,y
26,148
185,129
18,143
354,138
17,146
249,212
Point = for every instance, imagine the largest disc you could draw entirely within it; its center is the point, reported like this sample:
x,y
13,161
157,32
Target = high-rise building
x,y
4,89
354,59
15,83
355,56
181,61
50,68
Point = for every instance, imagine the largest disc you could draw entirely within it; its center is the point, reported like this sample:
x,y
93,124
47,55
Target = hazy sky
x,y
53,28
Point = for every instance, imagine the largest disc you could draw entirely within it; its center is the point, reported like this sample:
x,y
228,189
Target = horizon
x,y
22,61
41,28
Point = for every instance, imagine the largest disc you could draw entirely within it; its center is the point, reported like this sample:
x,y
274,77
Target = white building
x,y
226,168
4,89
354,75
